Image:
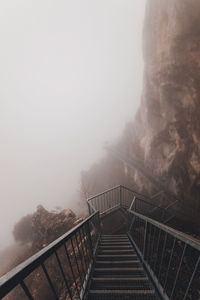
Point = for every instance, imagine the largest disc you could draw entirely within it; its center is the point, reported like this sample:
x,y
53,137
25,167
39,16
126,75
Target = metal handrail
x,y
106,201
82,238
100,194
172,258
163,250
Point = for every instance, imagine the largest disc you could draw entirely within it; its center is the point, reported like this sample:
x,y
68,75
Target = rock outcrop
x,y
43,227
165,134
170,108
32,233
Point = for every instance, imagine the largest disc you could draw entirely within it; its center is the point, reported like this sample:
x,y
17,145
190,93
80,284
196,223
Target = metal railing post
x,y
89,238
120,195
145,238
89,211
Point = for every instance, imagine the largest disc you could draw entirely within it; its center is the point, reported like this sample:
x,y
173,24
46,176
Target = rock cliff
x,y
165,134
170,108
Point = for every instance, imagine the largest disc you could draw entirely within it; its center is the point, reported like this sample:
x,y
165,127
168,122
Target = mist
x,y
70,78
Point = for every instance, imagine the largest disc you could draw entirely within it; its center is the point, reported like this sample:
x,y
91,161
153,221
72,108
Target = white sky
x,y
70,78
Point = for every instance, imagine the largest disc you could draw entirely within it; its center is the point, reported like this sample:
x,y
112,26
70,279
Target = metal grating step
x,y
115,251
121,295
115,243
118,272
138,283
121,257
117,263
122,247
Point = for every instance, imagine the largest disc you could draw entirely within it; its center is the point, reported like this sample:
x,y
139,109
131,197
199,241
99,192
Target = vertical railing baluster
x,y
76,261
145,238
178,271
86,246
191,279
49,281
72,271
154,266
152,247
82,247
162,256
89,210
169,264
149,242
63,274
83,269
26,290
89,239
120,196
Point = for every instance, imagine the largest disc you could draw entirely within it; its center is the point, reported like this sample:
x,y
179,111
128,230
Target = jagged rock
x,y
165,134
48,226
170,107
43,227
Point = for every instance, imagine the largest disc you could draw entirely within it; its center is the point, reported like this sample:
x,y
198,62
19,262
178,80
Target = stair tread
x,y
115,242
118,272
120,292
116,255
118,250
120,279
119,269
114,247
117,261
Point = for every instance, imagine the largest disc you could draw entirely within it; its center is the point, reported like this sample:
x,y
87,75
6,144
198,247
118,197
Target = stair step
x,y
121,294
120,283
112,235
122,257
110,263
120,279
116,251
116,262
118,247
115,240
119,271
115,243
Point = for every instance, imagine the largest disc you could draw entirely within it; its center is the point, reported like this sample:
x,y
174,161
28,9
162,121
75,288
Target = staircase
x,y
118,252
118,272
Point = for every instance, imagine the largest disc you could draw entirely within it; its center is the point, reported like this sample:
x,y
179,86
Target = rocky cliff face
x,y
170,109
165,134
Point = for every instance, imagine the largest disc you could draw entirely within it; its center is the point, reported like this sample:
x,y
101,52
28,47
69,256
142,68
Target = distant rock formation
x,y
32,233
43,227
165,134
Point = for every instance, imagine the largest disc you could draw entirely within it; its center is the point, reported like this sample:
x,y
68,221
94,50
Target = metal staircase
x,y
118,272
123,250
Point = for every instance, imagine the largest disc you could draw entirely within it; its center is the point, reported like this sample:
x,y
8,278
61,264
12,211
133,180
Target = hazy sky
x,y
70,78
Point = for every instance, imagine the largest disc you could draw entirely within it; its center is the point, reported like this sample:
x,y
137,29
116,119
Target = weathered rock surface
x,y
34,232
165,134
43,227
170,109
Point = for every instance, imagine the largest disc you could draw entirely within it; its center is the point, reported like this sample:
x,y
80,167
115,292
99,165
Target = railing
x,y
105,202
171,257
114,198
63,267
124,197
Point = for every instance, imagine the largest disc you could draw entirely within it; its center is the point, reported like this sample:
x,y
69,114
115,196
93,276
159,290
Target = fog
x,y
70,78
